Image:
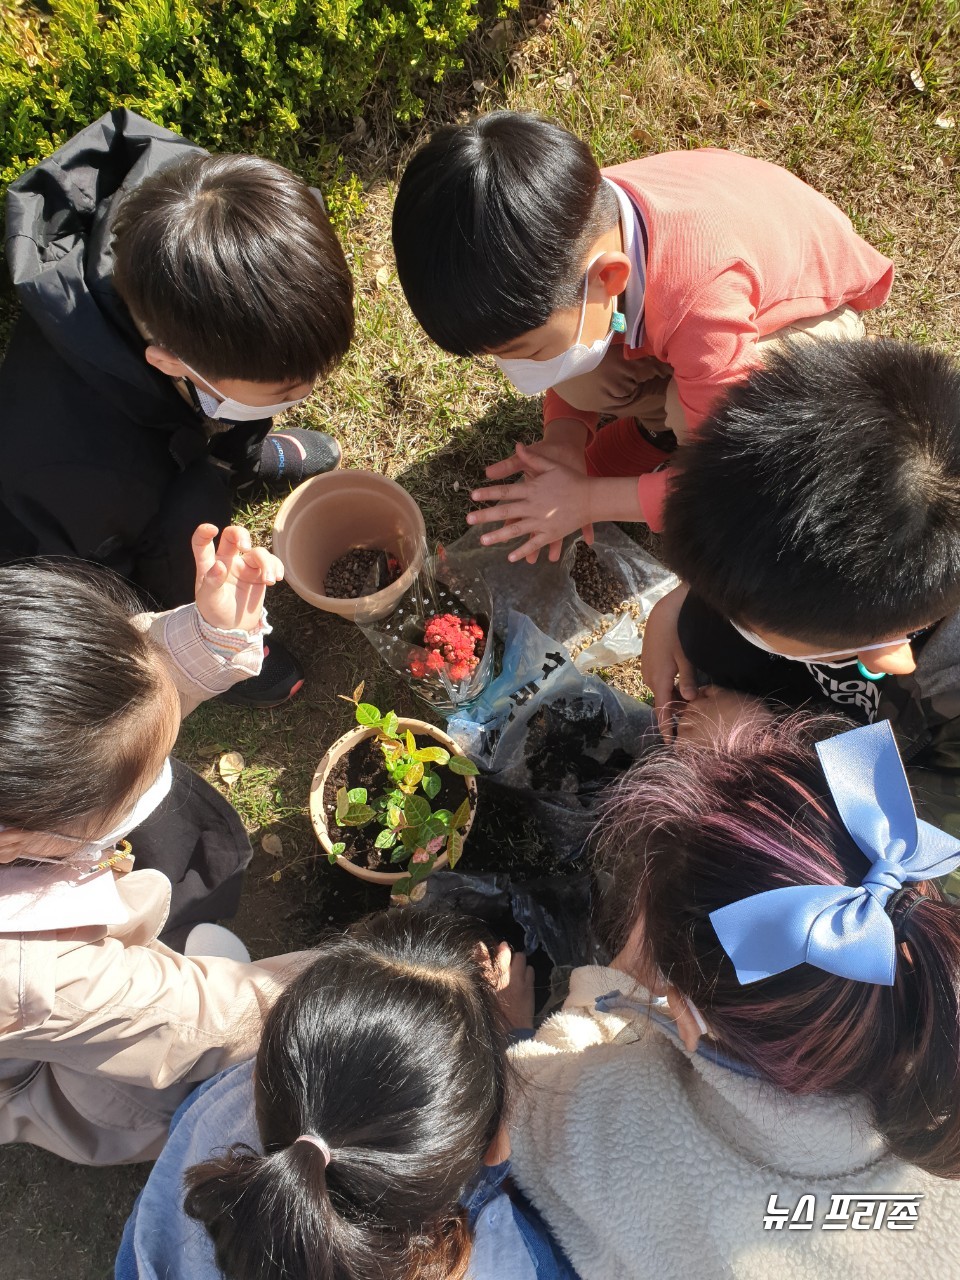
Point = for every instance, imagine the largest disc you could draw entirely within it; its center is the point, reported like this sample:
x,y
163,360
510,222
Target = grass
x,y
824,88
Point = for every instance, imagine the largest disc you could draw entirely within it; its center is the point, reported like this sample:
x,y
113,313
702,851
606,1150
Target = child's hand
x,y
663,661
552,501
513,979
232,578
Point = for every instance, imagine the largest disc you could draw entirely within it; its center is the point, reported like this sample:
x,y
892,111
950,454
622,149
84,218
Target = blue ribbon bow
x,y
842,929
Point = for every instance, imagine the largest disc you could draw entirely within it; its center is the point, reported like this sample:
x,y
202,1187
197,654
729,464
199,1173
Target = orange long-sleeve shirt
x,y
737,249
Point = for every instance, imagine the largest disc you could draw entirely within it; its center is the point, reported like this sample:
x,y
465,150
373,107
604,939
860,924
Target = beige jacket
x,y
650,1163
104,1030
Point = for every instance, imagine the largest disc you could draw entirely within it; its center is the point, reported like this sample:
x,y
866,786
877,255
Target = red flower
x,y
452,642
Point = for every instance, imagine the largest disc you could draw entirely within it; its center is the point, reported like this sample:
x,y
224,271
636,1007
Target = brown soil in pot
x,y
361,571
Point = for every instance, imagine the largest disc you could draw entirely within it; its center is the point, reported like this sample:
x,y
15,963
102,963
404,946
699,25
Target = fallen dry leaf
x,y
231,766
273,845
382,277
945,122
917,80
275,877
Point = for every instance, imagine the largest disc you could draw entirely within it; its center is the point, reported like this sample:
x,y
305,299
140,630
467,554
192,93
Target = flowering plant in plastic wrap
x,y
439,635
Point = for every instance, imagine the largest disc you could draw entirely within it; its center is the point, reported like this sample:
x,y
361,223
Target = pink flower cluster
x,y
452,642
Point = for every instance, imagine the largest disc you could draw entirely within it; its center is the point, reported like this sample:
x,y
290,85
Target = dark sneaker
x,y
294,455
279,680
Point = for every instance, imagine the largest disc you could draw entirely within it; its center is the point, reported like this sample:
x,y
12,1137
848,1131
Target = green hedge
x,y
255,75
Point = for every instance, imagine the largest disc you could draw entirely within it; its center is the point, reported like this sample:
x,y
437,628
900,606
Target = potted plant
x,y
393,799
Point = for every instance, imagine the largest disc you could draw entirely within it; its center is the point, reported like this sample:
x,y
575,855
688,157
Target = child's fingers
x,y
587,532
495,493
502,965
234,540
555,551
516,528
533,463
533,543
204,550
259,565
503,469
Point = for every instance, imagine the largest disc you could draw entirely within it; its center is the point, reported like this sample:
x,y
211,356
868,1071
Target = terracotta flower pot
x,y
332,513
343,746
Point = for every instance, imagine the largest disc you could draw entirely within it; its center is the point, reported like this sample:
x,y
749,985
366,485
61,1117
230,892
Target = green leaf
x,y
454,848
390,724
343,804
444,817
462,816
368,714
412,777
357,795
386,839
416,810
410,837
433,755
400,853
335,851
431,785
358,815
463,765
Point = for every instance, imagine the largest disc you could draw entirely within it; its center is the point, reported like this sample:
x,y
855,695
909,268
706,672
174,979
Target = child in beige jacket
x,y
103,1029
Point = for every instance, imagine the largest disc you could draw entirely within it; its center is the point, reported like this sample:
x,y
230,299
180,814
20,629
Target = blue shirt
x,y
160,1242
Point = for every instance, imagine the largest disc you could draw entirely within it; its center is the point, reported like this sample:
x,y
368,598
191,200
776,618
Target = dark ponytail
x,y
391,1049
698,827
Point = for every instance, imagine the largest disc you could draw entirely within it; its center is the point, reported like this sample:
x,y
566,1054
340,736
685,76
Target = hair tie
x,y
318,1143
898,916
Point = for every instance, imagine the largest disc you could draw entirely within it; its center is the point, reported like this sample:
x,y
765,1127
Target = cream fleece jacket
x,y
650,1163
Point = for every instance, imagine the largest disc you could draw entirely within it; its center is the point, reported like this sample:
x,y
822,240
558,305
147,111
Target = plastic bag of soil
x,y
579,594
552,734
546,917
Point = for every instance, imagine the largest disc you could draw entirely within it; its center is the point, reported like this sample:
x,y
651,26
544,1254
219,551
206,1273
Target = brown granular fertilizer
x,y
360,572
597,586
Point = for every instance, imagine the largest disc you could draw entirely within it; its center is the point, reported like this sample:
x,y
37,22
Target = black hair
x,y
391,1049
230,263
80,694
821,499
492,225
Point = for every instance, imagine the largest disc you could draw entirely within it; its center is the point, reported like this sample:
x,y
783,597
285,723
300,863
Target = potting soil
x,y
363,767
598,585
361,571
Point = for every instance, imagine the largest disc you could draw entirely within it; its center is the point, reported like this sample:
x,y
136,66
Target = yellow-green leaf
x,y
462,816
433,755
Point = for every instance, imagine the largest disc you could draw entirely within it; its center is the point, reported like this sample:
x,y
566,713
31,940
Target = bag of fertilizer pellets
x,y
552,734
581,596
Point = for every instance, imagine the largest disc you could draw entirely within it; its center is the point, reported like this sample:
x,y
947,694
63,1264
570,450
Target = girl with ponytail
x,y
766,1080
350,1149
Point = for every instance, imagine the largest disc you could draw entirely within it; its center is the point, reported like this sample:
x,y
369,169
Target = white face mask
x,y
89,852
531,377
819,658
223,408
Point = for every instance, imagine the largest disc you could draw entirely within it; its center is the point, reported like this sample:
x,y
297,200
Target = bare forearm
x,y
613,498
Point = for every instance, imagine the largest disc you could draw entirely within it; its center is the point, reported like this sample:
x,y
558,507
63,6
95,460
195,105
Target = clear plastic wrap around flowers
x,y
438,637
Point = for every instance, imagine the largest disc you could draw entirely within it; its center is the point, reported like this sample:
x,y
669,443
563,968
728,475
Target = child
x,y
641,292
104,1029
816,523
171,303
781,1095
350,1149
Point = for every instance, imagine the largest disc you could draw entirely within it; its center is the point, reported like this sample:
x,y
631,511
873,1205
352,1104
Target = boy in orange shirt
x,y
639,293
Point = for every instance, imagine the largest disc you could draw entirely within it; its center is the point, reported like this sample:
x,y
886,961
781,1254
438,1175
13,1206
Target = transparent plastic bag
x,y
546,592
444,586
552,734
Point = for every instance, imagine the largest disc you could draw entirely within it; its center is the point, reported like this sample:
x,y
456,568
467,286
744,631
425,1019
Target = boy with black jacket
x,y
815,522
171,303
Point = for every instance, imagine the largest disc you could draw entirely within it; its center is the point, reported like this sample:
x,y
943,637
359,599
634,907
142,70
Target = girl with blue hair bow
x,y
766,1079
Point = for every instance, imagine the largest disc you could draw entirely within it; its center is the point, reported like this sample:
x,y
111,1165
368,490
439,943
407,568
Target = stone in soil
x,y
597,586
360,572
